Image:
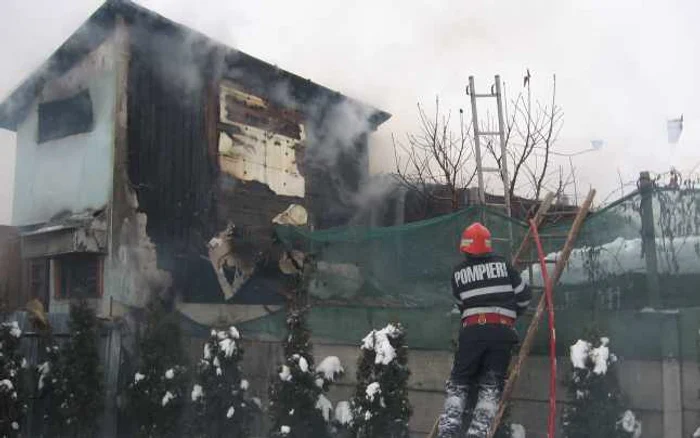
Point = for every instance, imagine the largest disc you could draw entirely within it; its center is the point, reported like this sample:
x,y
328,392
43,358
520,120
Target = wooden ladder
x,y
526,346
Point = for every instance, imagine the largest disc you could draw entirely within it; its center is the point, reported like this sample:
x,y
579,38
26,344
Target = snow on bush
x,y
380,406
12,366
330,368
158,393
517,431
372,390
582,353
220,398
285,374
70,378
297,397
630,424
325,406
598,405
379,342
343,413
579,354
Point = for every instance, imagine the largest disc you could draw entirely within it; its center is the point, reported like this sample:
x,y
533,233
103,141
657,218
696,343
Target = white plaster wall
x,y
72,173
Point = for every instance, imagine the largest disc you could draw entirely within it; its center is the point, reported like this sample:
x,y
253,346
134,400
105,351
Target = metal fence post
x,y
646,189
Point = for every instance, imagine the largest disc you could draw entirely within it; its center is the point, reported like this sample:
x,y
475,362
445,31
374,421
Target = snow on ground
x,y
330,367
230,412
325,406
170,374
284,430
244,385
378,340
623,256
696,434
373,389
343,413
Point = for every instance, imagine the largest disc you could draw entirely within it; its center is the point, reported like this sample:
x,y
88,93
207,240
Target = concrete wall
x,y
641,380
73,173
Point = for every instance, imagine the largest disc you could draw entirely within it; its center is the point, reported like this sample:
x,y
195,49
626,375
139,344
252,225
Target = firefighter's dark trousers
x,y
480,364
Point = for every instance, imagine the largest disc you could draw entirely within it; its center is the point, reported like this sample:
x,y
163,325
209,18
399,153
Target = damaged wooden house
x,y
152,159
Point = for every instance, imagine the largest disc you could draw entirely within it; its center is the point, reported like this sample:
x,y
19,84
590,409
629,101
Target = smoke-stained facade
x,y
193,148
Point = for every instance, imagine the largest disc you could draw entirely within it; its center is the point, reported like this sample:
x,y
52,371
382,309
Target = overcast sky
x,y
623,67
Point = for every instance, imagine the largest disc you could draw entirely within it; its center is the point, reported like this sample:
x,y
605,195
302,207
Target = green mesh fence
x,y
366,277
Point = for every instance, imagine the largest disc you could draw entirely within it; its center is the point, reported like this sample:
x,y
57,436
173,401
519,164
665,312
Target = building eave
x,y
100,25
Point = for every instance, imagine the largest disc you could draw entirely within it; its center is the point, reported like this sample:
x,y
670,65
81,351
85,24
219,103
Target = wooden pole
x,y
534,324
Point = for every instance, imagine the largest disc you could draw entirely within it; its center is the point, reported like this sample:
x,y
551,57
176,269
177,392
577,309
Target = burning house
x,y
153,160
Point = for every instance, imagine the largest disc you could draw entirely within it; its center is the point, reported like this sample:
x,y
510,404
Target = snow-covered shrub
x,y
298,407
219,395
598,405
70,380
12,395
158,392
380,406
52,389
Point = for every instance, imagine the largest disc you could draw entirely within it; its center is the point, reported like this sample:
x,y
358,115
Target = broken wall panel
x,y
260,141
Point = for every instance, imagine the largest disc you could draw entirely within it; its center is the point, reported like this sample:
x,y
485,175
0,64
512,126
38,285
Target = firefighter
x,y
490,296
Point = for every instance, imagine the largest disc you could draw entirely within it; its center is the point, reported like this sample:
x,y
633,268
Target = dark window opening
x,y
78,276
39,280
65,117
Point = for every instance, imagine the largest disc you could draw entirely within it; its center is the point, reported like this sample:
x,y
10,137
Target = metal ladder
x,y
496,92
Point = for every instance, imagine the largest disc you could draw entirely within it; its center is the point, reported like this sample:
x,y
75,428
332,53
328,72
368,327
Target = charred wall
x,y
170,165
219,145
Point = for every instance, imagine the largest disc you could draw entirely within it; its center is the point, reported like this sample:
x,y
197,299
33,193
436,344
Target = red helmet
x,y
476,239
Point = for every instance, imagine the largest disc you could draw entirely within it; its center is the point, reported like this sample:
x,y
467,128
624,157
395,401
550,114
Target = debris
x,y
291,262
295,215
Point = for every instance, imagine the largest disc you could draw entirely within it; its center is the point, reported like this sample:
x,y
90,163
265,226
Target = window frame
x,y
58,265
70,124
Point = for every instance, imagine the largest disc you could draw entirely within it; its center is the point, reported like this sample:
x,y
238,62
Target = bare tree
x,y
437,156
530,138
